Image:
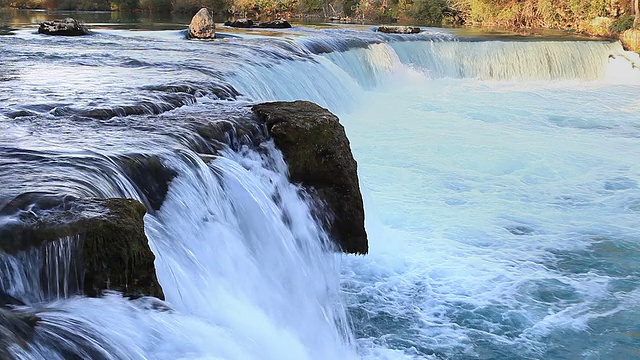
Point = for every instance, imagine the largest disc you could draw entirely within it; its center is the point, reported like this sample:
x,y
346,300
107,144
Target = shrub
x,y
429,11
622,23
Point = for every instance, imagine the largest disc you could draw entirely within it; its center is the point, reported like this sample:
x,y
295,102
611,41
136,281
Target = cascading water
x,y
469,260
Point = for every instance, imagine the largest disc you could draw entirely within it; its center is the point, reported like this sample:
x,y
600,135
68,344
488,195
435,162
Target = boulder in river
x,y
202,25
631,40
317,151
398,29
240,23
275,24
63,27
112,250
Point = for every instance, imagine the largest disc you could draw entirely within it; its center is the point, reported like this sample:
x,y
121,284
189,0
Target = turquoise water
x,y
503,219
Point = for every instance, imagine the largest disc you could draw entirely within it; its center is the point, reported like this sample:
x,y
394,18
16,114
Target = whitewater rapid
x,y
500,181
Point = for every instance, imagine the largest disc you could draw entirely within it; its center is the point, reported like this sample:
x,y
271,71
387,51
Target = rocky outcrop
x,y
398,29
202,25
240,23
317,151
63,27
631,39
275,24
113,251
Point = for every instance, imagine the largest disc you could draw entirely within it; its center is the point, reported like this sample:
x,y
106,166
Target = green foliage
x,y
429,11
156,6
622,24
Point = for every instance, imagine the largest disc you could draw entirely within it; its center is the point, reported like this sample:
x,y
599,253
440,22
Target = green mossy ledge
x,y
317,151
114,250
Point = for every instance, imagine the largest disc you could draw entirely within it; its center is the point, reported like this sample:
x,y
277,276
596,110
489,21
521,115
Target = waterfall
x,y
247,271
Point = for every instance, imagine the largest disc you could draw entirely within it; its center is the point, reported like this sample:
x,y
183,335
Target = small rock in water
x,y
63,27
5,30
399,29
239,23
275,24
202,25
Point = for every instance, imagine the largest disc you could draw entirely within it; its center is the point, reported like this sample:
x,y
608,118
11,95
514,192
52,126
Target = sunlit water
x,y
500,179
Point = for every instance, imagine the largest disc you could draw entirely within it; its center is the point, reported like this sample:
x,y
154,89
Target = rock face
x,y
113,251
202,25
631,40
399,29
63,27
275,24
317,150
239,23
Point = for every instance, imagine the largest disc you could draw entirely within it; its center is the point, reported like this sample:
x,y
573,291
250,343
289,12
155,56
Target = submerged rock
x,y
202,25
63,27
398,29
275,24
150,175
5,30
113,251
240,23
16,330
317,150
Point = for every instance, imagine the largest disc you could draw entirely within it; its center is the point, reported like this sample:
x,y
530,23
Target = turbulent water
x,y
500,180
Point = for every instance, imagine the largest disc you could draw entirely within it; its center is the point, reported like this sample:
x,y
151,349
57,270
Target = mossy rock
x,y
114,252
317,151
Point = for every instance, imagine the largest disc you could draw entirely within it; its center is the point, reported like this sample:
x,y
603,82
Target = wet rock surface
x,y
319,157
240,23
63,27
113,251
398,29
275,24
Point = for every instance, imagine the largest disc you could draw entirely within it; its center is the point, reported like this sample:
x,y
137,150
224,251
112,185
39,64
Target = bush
x,y
622,23
429,11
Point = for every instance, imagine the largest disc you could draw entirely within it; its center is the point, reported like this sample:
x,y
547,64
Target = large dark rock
x,y
239,23
113,251
317,150
63,27
399,29
202,25
275,24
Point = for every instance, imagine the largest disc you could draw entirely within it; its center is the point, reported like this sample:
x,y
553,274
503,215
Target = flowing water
x,y
500,181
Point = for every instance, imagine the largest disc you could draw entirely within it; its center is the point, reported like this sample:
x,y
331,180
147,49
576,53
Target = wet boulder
x,y
63,27
202,25
239,23
317,151
111,249
275,24
398,29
